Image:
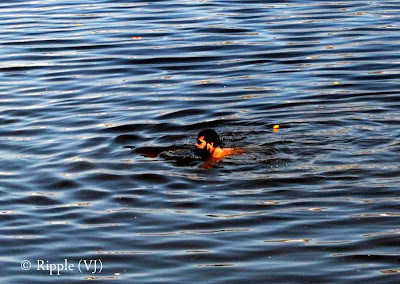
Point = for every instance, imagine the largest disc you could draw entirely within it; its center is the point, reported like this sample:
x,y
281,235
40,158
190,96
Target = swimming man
x,y
209,146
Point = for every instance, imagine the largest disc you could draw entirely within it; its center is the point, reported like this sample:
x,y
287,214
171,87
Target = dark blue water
x,y
316,202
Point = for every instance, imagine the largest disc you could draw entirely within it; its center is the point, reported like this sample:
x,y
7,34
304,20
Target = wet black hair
x,y
211,136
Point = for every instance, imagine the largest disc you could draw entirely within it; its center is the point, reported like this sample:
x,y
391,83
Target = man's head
x,y
207,140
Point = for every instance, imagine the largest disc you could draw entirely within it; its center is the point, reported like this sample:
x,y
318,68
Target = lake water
x,y
100,106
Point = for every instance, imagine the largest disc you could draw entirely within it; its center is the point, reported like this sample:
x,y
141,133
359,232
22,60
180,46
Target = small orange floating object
x,y
136,37
335,83
276,126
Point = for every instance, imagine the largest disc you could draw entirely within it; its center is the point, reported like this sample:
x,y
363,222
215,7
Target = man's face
x,y
202,147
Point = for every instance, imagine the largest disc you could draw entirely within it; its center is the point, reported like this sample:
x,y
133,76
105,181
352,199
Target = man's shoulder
x,y
233,151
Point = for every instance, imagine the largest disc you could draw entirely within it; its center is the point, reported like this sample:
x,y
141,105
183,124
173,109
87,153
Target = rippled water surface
x,y
100,106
